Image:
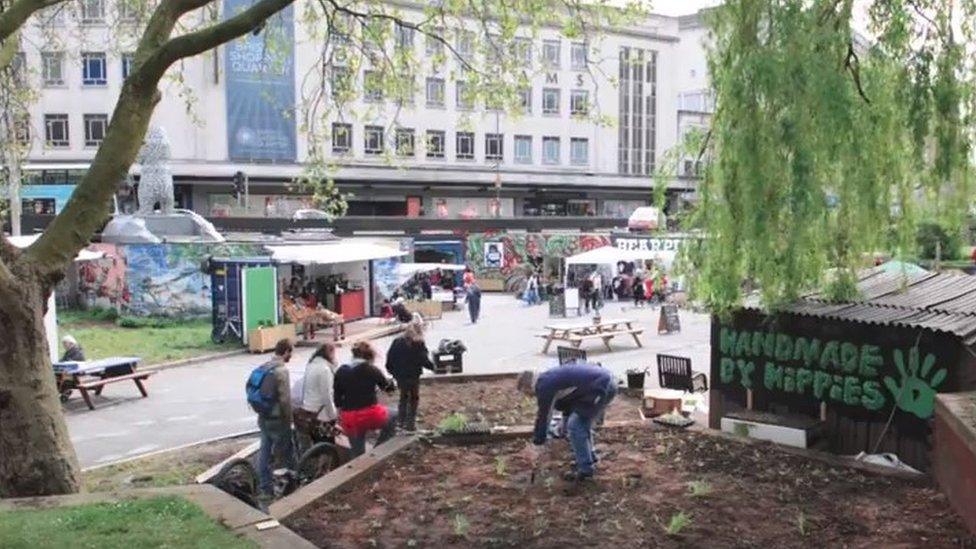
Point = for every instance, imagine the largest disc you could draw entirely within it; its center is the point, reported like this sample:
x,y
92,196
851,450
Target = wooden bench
x,y
98,384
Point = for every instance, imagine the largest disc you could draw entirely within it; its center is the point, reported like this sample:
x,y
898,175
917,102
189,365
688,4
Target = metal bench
x,y
674,372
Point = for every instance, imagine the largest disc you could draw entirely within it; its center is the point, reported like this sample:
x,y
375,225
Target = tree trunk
x,y
36,455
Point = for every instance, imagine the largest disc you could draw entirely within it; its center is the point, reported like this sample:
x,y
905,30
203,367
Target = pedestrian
x,y
581,392
638,291
72,351
468,278
406,360
531,296
312,395
425,287
269,394
596,294
400,310
585,293
355,395
474,301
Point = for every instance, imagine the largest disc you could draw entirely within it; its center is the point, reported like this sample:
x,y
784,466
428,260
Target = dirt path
x,y
731,495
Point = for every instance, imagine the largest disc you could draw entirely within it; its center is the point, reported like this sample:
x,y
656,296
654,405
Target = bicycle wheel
x,y
317,461
238,478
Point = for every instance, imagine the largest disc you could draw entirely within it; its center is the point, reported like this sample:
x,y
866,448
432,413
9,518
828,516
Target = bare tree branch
x,y
14,16
853,64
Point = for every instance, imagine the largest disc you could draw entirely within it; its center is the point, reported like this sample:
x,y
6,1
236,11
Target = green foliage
x,y
501,466
932,237
825,151
453,423
679,521
802,524
461,525
166,521
699,488
147,322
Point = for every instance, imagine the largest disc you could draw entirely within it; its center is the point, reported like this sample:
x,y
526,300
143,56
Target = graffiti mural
x,y
101,282
525,252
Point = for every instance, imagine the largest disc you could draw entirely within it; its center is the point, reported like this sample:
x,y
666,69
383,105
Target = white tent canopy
x,y
345,251
610,255
406,270
27,240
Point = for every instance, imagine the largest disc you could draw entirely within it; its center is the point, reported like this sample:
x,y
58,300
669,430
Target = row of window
x,y
57,130
374,144
95,12
435,92
94,68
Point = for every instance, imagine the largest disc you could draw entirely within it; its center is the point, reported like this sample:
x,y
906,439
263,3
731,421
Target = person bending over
x,y
355,395
581,392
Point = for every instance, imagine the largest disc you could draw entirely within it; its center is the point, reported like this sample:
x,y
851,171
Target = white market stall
x,y
51,317
446,297
611,261
341,271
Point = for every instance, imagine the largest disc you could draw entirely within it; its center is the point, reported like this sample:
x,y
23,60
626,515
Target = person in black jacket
x,y
354,393
406,360
72,351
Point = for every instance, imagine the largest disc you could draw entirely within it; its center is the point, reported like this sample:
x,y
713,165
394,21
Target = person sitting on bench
x,y
402,313
72,351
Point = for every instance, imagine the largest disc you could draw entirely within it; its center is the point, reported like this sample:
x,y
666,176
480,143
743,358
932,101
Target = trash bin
x,y
447,363
635,379
557,305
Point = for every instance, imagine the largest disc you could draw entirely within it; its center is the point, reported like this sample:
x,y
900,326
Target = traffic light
x,y
238,185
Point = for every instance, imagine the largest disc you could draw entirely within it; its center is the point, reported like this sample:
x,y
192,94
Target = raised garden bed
x,y
494,401
656,488
954,452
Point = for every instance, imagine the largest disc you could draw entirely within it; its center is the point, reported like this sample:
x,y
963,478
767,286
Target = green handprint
x,y
914,394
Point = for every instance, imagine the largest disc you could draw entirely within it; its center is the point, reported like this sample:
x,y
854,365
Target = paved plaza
x,y
206,400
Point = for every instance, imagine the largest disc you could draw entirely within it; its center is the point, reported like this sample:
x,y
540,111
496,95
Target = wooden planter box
x,y
430,310
264,339
954,452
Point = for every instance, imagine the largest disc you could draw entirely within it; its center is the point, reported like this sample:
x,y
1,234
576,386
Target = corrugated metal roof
x,y
941,302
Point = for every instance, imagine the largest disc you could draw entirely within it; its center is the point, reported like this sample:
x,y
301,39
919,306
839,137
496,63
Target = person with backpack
x,y
355,394
406,360
269,394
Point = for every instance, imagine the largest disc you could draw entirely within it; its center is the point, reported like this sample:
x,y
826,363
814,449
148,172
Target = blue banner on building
x,y
260,86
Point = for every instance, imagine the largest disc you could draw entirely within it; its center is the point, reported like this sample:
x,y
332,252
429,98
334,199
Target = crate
x,y
447,363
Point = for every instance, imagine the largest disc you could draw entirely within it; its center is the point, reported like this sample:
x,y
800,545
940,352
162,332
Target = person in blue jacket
x,y
581,392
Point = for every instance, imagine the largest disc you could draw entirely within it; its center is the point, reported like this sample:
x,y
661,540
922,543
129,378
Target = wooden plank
x,y
246,452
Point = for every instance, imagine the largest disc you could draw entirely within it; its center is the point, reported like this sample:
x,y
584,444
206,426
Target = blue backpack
x,y
262,401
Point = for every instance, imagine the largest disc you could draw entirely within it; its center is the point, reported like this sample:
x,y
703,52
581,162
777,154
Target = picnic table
x,y
576,333
94,375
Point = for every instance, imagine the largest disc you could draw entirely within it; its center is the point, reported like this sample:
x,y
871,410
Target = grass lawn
x,y
167,521
155,340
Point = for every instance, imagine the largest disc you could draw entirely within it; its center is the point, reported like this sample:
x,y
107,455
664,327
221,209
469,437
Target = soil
x,y
494,402
732,494
164,469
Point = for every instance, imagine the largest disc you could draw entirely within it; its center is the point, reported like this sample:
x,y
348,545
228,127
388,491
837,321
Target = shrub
x,y
930,234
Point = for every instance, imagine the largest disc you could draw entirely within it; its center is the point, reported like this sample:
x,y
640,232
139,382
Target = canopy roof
x,y
611,255
410,269
27,240
344,251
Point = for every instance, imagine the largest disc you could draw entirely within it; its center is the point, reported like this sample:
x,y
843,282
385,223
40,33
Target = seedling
x,y
801,524
741,430
461,525
699,489
501,466
679,521
454,423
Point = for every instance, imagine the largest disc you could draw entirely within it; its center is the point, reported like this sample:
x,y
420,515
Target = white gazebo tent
x,y
610,256
51,317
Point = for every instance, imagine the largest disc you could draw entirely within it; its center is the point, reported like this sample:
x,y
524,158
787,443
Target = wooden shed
x,y
850,377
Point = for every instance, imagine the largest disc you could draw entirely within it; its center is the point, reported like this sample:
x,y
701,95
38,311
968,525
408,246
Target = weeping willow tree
x,y
827,147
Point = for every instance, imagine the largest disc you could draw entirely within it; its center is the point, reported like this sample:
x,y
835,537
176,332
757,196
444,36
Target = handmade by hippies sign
x,y
864,369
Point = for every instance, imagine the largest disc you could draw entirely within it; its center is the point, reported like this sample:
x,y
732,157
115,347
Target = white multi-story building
x,y
434,156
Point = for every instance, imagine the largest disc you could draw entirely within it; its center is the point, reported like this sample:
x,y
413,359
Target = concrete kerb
x,y
192,360
224,509
240,434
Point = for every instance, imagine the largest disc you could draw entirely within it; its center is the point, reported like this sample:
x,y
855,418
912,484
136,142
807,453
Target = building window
x,y
465,101
523,149
18,67
465,146
494,146
403,37
550,150
432,44
341,138
56,133
435,144
435,92
127,60
464,43
373,143
92,11
550,54
341,80
93,69
579,151
372,87
525,100
52,68
405,142
550,101
638,111
128,10
95,127
406,87
523,52
579,102
577,56
22,129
